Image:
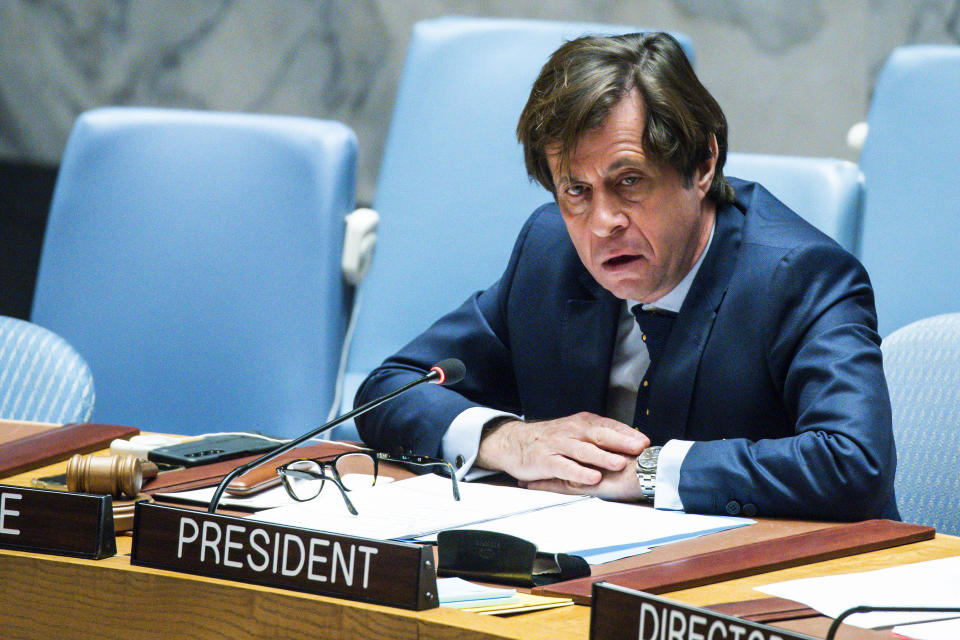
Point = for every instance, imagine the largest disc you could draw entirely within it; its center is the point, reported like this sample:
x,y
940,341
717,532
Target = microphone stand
x,y
835,625
434,374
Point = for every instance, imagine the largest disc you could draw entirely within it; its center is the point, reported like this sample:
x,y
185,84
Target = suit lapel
x,y
588,332
677,371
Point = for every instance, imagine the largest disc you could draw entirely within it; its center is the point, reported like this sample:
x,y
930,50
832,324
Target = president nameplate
x,y
618,612
58,522
246,550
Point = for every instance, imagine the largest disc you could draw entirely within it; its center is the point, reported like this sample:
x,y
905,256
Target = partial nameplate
x,y
246,550
619,612
46,521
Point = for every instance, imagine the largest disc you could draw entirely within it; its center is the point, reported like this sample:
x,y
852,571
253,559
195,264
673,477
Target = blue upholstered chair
x,y
922,365
453,191
42,377
910,160
826,192
194,259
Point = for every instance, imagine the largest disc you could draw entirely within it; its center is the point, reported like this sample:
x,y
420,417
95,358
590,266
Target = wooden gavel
x,y
118,475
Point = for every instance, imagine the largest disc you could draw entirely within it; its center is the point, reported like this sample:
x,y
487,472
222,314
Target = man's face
x,y
636,227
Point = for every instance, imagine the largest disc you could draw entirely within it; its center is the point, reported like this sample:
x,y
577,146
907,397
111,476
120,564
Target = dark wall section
x,y
25,194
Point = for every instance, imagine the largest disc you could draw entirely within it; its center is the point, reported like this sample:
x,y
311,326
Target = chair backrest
x,y
826,192
42,377
922,365
194,259
910,160
453,191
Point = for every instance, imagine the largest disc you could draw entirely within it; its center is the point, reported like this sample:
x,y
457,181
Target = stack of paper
x,y
935,583
417,508
409,508
599,531
457,593
271,498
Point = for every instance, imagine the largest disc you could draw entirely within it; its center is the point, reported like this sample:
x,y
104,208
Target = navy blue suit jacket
x,y
773,366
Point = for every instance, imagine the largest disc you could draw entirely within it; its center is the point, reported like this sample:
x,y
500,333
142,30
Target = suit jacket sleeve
x,y
475,333
818,327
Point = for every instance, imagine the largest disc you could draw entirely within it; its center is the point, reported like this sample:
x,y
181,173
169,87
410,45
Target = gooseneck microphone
x,y
446,372
835,625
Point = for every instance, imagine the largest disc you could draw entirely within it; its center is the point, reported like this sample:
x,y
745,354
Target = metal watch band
x,y
647,472
648,483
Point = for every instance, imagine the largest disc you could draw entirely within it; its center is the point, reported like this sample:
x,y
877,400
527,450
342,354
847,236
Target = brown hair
x,y
585,78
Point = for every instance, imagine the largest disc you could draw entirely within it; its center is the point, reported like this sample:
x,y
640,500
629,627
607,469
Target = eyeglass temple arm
x,y
343,492
453,480
438,463
323,477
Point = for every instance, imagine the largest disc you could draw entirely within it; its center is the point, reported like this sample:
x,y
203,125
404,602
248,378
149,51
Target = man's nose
x,y
607,217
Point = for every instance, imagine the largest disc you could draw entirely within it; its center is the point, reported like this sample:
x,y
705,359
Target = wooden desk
x,y
45,596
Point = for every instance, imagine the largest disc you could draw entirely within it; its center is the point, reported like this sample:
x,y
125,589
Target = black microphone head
x,y
451,371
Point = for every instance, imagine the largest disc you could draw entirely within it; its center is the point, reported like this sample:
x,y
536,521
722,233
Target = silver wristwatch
x,y
647,472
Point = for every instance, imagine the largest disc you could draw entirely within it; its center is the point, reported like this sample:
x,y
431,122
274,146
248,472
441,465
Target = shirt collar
x,y
673,300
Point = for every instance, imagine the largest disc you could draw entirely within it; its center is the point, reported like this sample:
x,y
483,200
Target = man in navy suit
x,y
660,332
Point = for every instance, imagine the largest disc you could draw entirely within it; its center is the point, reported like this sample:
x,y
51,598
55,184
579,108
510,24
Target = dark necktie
x,y
655,328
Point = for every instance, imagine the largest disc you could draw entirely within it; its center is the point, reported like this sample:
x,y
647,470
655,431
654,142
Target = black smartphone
x,y
211,449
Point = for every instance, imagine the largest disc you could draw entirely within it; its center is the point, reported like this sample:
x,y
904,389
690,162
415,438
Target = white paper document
x,y
271,498
267,499
616,554
417,508
935,583
410,508
459,590
601,531
938,630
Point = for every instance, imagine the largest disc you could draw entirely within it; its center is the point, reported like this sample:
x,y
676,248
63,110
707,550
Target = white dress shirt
x,y
630,361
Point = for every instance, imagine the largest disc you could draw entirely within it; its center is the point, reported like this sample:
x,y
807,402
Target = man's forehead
x,y
630,108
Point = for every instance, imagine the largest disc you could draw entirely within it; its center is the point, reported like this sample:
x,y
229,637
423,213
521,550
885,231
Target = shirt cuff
x,y
461,442
669,461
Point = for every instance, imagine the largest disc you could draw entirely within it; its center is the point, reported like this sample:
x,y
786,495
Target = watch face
x,y
648,459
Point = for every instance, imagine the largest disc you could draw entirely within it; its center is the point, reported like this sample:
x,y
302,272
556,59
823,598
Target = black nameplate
x,y
392,573
46,521
618,612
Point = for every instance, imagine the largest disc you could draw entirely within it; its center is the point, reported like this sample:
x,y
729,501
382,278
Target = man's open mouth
x,y
619,261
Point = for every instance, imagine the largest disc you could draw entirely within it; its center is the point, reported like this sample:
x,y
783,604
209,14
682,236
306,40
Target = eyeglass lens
x,y
305,478
356,470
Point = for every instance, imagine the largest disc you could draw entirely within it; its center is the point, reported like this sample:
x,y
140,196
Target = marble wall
x,y
793,75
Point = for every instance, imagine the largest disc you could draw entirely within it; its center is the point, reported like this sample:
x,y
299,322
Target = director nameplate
x,y
618,612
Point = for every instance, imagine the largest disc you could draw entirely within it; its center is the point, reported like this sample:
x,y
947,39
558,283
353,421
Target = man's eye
x,y
631,181
576,190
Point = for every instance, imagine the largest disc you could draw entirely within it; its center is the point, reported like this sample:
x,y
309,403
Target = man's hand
x,y
622,485
583,453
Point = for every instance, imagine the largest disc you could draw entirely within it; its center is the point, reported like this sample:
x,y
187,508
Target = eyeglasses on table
x,y
305,478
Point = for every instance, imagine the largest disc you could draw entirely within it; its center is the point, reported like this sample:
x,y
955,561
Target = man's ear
x,y
704,175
